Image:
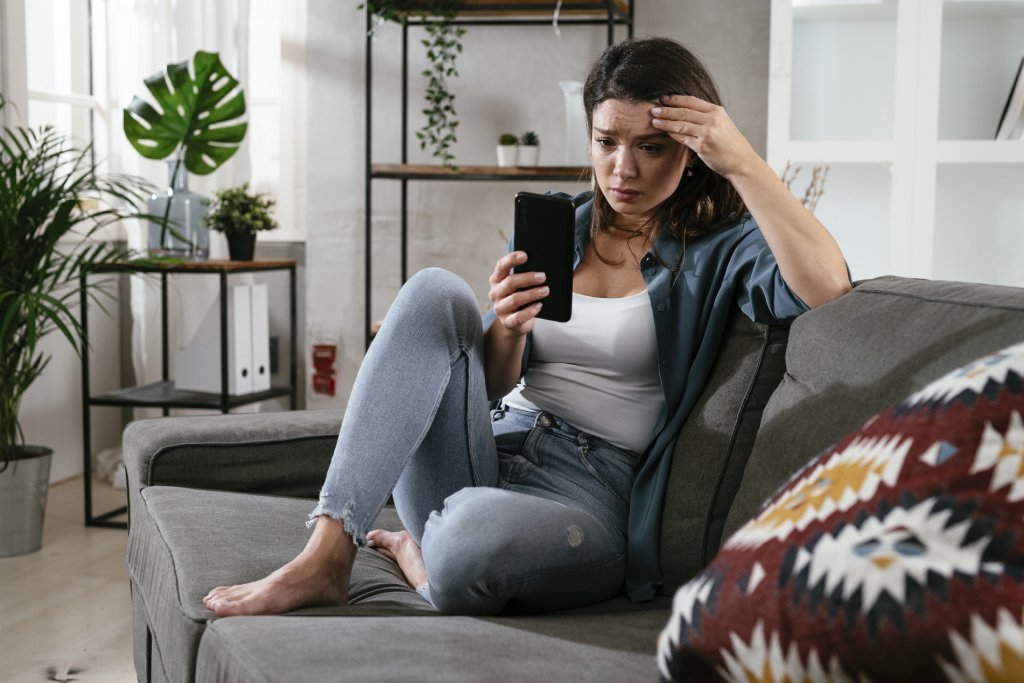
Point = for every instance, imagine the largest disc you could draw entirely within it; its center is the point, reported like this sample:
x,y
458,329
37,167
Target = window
x,y
59,66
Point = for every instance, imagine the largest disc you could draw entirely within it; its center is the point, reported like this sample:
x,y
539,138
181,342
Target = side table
x,y
163,394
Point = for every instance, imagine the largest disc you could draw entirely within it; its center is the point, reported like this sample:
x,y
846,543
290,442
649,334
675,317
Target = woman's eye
x,y
606,143
650,149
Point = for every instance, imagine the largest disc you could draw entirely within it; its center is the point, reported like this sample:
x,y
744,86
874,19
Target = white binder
x,y
260,338
197,365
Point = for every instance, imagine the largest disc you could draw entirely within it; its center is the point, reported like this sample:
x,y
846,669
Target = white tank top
x,y
599,371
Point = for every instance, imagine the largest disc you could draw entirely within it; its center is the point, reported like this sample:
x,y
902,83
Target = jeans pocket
x,y
513,468
610,469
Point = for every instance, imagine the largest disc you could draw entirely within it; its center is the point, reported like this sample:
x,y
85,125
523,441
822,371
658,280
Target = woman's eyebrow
x,y
651,136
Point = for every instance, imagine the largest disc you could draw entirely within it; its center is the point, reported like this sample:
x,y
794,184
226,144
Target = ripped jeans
x,y
511,508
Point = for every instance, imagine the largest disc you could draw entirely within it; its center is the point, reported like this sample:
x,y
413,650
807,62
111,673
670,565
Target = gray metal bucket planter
x,y
23,488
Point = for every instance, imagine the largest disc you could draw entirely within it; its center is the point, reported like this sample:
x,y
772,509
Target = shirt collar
x,y
669,248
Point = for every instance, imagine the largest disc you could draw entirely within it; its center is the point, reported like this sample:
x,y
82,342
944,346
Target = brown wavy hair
x,y
642,70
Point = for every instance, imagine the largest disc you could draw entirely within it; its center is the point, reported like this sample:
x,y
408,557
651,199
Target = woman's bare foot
x,y
400,546
319,575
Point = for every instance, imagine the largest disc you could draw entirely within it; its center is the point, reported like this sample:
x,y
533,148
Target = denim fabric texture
x,y
511,508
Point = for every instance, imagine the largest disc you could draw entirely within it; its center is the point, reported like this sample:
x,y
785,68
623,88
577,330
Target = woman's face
x,y
636,165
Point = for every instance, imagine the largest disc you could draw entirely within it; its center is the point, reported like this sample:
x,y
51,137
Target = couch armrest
x,y
283,454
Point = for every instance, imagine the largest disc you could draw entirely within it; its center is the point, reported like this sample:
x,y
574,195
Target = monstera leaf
x,y
198,112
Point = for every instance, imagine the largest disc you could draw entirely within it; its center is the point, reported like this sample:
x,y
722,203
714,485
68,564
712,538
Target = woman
x,y
553,500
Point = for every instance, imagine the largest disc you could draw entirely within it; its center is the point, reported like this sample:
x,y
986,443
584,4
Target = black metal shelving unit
x,y
474,13
163,394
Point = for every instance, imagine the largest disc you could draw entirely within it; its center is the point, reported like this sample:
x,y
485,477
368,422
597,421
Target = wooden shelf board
x,y
525,8
432,172
208,266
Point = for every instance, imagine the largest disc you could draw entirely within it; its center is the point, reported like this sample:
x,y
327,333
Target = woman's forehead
x,y
618,116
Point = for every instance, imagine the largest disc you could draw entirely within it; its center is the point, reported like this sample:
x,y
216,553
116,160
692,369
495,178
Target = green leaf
x,y
197,113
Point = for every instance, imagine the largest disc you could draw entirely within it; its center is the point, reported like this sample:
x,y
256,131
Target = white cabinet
x,y
902,99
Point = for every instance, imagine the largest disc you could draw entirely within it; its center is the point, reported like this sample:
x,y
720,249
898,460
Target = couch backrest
x,y
861,353
713,446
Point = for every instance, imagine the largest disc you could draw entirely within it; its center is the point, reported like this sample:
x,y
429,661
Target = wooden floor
x,y
65,612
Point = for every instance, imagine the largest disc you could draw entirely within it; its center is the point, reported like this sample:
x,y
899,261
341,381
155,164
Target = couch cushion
x,y
713,446
206,451
188,541
868,349
896,555
617,645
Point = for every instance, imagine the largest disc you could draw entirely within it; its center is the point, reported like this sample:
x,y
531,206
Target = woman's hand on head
x,y
515,306
706,129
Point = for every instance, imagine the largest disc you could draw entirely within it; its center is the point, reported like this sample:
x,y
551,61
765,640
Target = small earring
x,y
689,172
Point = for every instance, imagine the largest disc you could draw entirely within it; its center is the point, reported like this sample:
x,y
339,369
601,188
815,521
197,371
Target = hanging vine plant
x,y
443,44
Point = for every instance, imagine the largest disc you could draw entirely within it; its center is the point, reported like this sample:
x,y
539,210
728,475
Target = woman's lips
x,y
624,194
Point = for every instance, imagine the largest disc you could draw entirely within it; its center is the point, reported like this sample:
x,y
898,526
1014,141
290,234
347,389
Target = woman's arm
x,y
515,308
808,256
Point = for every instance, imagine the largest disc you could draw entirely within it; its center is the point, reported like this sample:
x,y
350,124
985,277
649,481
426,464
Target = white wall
x,y
508,81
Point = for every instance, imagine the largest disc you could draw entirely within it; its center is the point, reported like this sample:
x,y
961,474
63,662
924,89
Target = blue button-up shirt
x,y
691,302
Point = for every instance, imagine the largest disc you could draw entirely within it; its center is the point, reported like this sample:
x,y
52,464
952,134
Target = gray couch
x,y
219,500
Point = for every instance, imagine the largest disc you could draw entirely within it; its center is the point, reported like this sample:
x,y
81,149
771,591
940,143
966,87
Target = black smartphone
x,y
545,226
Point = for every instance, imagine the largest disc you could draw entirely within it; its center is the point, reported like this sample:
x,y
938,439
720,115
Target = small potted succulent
x,y
507,149
529,149
240,214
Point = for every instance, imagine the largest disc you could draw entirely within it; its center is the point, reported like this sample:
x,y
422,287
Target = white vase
x,y
506,155
527,155
577,145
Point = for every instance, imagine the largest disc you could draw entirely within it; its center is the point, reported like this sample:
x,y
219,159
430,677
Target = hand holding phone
x,y
545,226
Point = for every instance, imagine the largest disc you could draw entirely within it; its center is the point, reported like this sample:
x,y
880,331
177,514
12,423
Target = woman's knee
x,y
434,290
441,285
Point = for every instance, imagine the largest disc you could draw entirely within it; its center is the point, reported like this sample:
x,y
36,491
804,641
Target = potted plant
x,y
443,45
507,143
197,125
52,201
240,214
529,149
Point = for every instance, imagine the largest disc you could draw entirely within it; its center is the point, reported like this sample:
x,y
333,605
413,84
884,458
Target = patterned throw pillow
x,y
896,555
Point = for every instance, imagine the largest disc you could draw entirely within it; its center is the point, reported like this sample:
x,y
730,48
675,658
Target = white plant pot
x,y
506,155
528,155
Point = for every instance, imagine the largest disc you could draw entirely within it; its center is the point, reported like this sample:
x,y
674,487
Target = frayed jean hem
x,y
345,517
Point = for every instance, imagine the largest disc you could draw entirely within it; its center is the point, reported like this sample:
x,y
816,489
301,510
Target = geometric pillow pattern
x,y
895,555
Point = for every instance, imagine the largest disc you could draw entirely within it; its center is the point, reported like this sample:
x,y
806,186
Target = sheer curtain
x,y
143,36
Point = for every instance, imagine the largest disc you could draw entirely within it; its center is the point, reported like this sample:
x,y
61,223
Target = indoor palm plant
x,y
52,201
240,214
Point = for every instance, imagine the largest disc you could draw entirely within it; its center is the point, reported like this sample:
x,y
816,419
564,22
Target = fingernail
x,y
520,257
656,123
544,291
656,111
539,277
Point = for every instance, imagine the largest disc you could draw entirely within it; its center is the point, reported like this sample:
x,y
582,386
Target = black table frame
x,y
163,394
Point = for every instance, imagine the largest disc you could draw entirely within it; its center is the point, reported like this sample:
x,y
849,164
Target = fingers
x,y
515,306
688,102
505,265
506,285
515,297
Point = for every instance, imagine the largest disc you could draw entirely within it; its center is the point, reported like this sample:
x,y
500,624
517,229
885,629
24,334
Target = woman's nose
x,y
624,166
